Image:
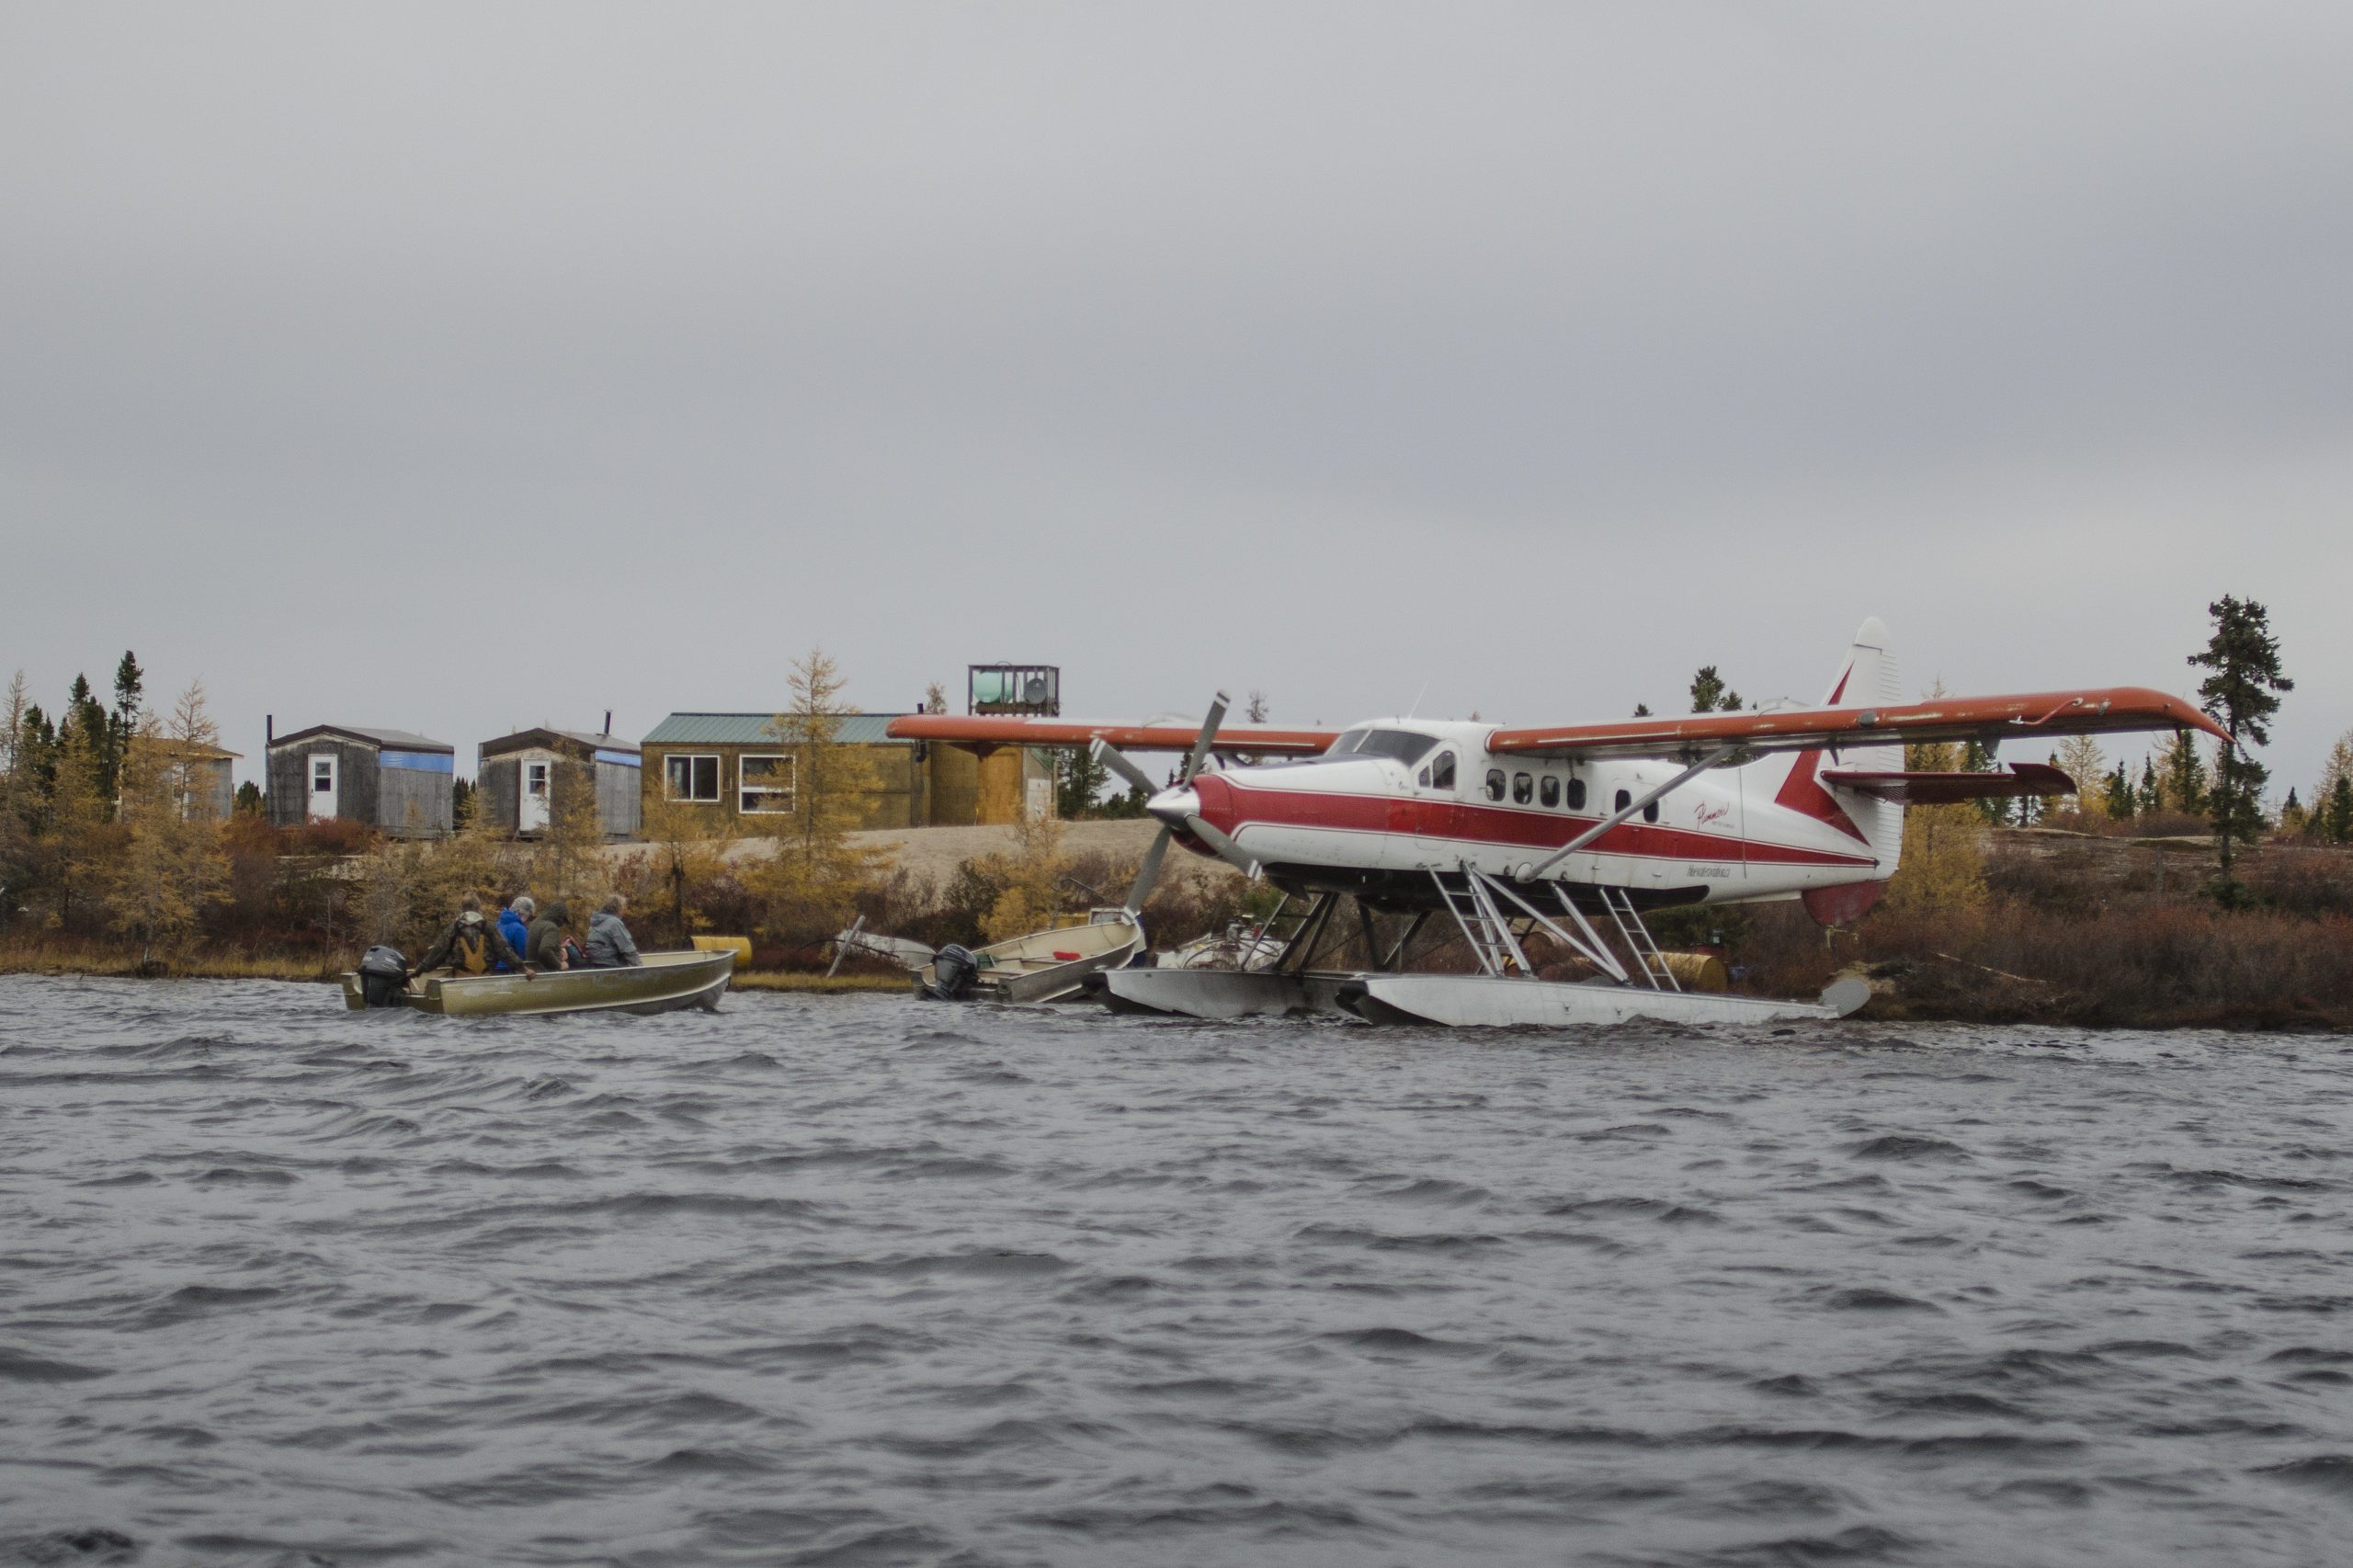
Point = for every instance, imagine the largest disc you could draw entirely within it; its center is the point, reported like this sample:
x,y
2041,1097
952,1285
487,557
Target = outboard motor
x,y
383,976
952,969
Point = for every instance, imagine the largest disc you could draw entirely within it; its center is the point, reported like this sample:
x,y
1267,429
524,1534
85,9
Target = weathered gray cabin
x,y
389,779
515,785
210,787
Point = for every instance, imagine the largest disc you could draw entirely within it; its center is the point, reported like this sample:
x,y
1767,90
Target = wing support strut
x,y
1624,812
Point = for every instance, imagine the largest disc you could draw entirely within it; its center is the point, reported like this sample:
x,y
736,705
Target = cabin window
x,y
322,776
1624,799
1443,772
765,785
691,778
1523,789
535,778
1494,783
1406,747
1550,794
1650,813
1576,794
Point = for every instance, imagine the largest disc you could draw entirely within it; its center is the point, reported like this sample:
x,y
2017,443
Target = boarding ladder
x,y
1639,940
1484,926
1266,944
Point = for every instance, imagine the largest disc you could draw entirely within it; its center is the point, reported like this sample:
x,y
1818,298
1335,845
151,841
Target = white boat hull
x,y
1477,1001
1221,994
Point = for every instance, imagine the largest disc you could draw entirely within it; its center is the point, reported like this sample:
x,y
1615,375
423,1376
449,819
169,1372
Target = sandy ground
x,y
936,852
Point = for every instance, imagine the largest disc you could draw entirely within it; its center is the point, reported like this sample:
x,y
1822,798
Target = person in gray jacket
x,y
610,943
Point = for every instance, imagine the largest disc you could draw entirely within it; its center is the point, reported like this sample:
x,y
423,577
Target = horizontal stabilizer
x,y
1948,788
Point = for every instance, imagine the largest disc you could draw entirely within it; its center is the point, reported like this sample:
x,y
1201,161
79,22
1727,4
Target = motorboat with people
x,y
662,982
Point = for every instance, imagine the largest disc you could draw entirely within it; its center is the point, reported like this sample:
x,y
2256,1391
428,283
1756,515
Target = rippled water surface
x,y
862,1280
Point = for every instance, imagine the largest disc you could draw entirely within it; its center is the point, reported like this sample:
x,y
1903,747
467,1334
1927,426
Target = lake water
x,y
868,1281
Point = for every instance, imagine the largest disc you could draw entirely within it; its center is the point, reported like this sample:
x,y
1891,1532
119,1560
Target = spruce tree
x,y
2340,811
2241,694
2293,818
1078,778
1978,758
2152,799
2120,798
1710,695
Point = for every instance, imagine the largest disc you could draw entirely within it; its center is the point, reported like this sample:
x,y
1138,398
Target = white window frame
x,y
718,777
745,791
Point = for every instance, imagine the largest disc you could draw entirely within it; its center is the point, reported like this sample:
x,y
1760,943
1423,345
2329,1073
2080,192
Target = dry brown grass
x,y
55,956
787,980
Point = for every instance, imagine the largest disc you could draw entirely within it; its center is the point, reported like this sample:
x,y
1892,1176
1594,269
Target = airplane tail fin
x,y
1867,679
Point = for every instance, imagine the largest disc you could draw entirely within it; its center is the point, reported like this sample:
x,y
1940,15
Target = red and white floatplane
x,y
1571,830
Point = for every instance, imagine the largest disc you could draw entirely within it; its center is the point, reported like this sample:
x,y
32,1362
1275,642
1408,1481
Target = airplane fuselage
x,y
1396,802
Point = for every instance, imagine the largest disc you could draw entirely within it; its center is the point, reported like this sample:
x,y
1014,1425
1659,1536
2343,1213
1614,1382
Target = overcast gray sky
x,y
465,367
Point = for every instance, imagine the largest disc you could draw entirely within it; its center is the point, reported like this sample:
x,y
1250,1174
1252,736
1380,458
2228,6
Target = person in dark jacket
x,y
515,922
471,946
610,943
547,948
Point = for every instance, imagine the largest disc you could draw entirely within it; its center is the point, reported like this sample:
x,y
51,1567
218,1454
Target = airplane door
x,y
326,786
1438,811
531,804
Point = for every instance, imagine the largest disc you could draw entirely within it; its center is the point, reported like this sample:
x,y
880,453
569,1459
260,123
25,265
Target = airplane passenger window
x,y
1523,789
1650,813
1624,799
1576,794
1494,783
1550,792
1443,772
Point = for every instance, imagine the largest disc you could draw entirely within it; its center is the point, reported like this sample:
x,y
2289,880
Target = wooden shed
x,y
391,779
734,763
212,793
515,783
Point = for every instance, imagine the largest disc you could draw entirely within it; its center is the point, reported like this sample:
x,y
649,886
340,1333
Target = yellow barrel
x,y
740,945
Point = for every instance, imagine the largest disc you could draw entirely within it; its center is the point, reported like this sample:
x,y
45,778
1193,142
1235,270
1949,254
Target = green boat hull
x,y
663,983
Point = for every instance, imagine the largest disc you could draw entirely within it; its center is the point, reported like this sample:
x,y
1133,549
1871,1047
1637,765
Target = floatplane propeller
x,y
1175,806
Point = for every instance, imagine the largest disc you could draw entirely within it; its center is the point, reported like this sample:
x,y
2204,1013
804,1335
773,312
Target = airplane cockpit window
x,y
1523,789
1406,747
1443,772
1550,794
1422,778
1494,783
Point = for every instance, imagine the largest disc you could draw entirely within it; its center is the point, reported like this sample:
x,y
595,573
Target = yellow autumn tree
x,y
169,866
2080,758
568,863
816,794
1943,865
688,845
1030,878
76,837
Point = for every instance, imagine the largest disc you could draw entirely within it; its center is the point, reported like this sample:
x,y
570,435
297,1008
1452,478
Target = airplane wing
x,y
984,734
1950,789
1986,719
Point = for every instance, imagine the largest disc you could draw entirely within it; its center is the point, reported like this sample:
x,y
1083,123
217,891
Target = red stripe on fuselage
x,y
1230,808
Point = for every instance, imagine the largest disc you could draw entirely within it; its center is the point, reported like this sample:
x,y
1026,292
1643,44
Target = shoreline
x,y
1989,996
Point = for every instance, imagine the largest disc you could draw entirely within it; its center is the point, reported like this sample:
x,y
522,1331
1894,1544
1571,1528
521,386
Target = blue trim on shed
x,y
418,761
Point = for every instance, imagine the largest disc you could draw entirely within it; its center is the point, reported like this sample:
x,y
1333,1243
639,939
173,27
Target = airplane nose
x,y
1175,806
